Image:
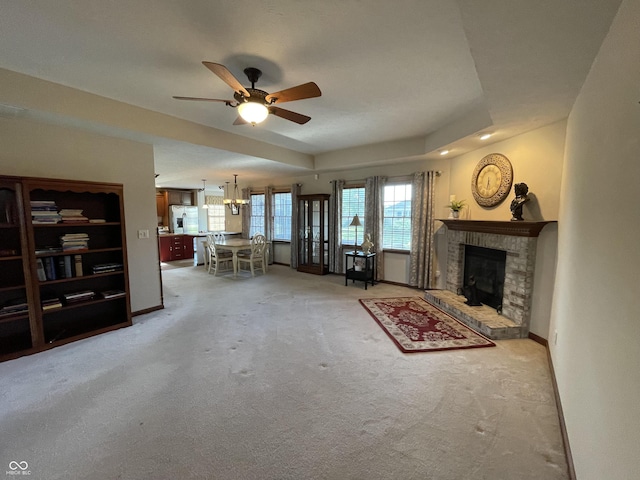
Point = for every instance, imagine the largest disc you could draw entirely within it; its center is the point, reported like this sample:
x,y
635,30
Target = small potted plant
x,y
455,206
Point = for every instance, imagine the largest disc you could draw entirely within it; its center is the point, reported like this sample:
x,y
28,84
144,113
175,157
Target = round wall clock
x,y
491,180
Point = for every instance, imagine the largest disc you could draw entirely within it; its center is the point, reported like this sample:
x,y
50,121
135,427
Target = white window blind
x,y
396,225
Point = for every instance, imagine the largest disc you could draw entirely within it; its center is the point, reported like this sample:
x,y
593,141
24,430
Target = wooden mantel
x,y
518,229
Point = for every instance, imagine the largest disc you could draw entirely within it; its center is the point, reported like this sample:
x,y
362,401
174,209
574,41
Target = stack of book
x,y
14,309
74,241
112,294
107,267
76,297
69,215
44,212
51,303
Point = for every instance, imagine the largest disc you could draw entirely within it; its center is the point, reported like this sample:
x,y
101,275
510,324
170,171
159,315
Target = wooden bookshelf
x,y
36,329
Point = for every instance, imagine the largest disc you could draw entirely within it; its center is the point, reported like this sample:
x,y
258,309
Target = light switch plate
x,y
143,233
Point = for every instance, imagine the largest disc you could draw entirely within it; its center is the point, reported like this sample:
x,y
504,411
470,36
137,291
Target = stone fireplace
x,y
519,241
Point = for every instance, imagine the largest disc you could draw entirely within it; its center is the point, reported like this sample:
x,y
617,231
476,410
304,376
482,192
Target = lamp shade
x,y
253,112
355,222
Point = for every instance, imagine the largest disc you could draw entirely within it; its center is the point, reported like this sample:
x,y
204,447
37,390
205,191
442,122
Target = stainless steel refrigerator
x,y
184,219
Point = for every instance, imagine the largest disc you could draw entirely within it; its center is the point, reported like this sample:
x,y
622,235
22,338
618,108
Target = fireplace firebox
x,y
487,266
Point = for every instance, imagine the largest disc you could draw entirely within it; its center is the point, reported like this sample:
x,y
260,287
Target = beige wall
x,y
40,150
596,303
536,158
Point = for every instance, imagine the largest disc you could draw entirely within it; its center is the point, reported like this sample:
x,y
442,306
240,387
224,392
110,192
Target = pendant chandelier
x,y
235,200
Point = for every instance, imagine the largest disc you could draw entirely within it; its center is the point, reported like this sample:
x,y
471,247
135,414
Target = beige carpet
x,y
281,376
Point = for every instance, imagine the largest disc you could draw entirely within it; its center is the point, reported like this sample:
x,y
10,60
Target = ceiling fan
x,y
255,105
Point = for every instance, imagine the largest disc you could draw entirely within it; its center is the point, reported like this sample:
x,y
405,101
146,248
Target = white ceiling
x,y
388,70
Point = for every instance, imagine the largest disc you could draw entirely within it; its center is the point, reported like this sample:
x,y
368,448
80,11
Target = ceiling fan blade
x,y
226,76
228,102
240,121
289,115
306,90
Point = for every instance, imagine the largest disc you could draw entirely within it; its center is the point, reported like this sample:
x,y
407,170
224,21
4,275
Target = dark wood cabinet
x,y
179,197
313,239
66,277
176,247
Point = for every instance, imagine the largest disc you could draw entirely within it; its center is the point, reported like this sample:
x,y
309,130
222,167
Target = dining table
x,y
234,245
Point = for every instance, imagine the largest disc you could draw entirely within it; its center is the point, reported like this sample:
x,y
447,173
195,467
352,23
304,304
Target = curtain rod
x,y
437,172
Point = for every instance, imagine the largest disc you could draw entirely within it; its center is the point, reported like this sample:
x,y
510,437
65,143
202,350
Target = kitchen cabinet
x,y
179,197
175,247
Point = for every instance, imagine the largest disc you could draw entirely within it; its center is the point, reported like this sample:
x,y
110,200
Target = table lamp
x,y
356,223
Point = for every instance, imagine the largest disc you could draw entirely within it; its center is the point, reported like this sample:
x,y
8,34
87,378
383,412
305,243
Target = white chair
x,y
218,236
218,261
205,247
256,257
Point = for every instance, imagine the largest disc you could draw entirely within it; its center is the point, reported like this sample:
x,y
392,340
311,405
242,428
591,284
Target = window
x,y
282,216
257,214
396,225
352,204
215,213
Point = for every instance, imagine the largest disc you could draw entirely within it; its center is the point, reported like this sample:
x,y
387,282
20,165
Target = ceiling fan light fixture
x,y
253,112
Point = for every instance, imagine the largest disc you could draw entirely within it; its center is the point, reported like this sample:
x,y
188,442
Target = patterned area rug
x,y
415,325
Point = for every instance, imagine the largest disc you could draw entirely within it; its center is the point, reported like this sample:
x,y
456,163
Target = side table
x,y
366,274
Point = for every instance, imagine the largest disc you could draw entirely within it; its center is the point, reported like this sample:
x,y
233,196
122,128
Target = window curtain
x,y
213,200
373,212
295,228
246,214
336,258
421,268
268,221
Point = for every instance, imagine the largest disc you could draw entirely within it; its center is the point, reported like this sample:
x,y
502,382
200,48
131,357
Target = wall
x,y
596,301
35,149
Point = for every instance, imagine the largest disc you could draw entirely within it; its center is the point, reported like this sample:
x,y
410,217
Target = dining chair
x,y
218,236
255,258
205,247
219,260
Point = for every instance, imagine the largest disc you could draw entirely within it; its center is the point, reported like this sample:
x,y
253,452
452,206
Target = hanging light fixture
x,y
204,186
235,200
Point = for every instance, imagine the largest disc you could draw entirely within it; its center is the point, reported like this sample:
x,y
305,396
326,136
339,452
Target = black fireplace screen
x,y
487,267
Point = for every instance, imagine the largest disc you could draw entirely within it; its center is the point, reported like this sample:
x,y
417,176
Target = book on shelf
x,y
14,308
60,270
72,215
42,203
74,241
68,271
112,294
45,220
50,268
107,267
70,212
97,220
48,249
42,275
78,265
79,296
51,303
